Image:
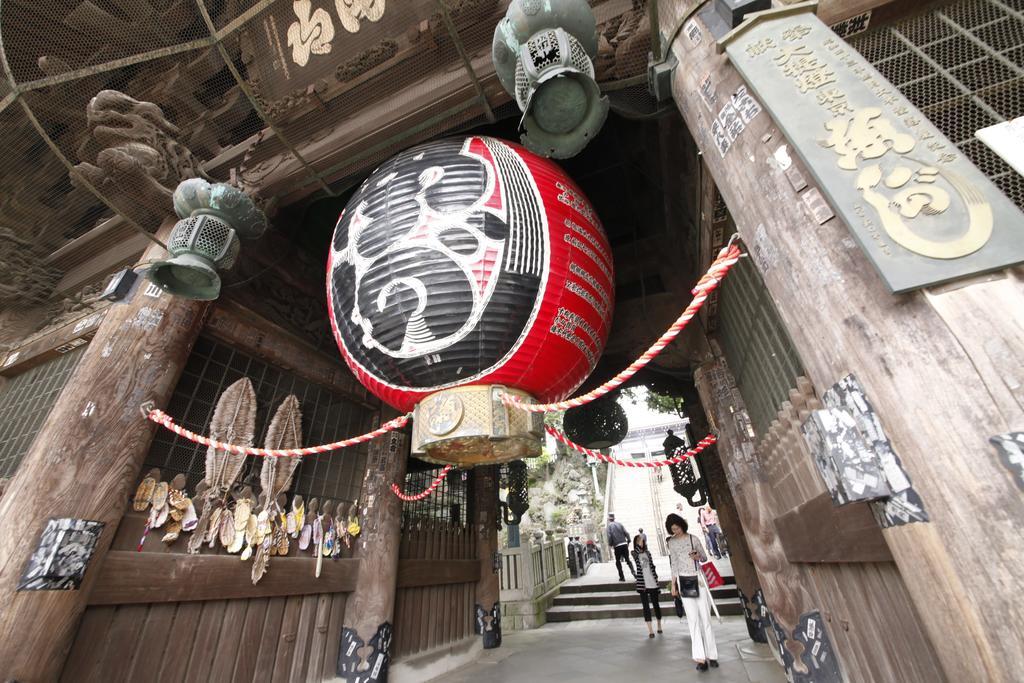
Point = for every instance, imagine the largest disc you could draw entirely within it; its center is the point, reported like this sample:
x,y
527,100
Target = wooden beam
x,y
818,531
907,351
442,101
882,11
82,465
419,573
128,577
247,331
109,245
51,344
353,146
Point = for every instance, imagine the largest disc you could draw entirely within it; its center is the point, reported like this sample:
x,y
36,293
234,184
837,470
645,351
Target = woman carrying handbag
x,y
647,582
685,552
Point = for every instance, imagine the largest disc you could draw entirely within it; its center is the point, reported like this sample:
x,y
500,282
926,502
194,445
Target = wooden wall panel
x,y
864,601
202,650
321,623
177,649
437,576
129,577
292,638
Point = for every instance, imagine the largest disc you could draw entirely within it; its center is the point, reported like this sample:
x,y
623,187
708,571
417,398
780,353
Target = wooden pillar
x,y
937,364
702,422
487,610
83,465
365,652
785,589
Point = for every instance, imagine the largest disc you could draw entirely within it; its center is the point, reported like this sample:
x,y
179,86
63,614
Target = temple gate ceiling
x,y
105,105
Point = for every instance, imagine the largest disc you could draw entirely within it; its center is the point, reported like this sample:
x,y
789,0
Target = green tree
x,y
660,402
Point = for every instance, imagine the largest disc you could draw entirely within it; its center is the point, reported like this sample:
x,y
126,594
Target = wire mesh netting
x,y
326,417
227,89
25,401
961,65
285,99
446,504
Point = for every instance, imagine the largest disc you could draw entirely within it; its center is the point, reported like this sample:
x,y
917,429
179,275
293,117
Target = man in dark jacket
x,y
618,539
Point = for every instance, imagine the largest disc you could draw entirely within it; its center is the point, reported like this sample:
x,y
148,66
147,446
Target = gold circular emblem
x,y
444,414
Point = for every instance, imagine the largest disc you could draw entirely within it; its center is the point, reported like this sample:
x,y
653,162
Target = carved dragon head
x,y
119,121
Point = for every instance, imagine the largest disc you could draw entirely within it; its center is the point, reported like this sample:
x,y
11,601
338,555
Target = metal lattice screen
x,y
326,417
962,65
447,503
756,344
25,401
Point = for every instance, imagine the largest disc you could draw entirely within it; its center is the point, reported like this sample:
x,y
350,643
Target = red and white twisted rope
x,y
162,418
408,498
701,445
727,258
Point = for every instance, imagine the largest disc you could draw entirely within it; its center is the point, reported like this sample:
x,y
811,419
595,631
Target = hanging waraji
x,y
168,503
234,422
462,271
285,431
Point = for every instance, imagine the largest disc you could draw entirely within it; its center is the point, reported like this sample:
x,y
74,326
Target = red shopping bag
x,y
711,575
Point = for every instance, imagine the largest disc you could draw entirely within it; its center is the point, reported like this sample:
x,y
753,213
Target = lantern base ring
x,y
471,425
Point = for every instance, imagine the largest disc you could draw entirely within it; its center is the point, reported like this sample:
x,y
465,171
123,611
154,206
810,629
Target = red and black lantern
x,y
470,263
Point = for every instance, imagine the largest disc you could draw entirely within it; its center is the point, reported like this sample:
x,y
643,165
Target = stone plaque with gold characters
x,y
922,212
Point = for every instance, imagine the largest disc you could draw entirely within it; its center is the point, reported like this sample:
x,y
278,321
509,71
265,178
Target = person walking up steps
x,y
712,531
647,582
618,539
684,552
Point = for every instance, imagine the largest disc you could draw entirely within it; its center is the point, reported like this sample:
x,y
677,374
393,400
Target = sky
x,y
638,413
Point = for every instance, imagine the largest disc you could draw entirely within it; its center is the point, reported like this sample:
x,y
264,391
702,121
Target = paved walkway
x,y
618,650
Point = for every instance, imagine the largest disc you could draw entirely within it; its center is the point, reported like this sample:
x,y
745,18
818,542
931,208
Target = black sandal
x,y
713,663
702,667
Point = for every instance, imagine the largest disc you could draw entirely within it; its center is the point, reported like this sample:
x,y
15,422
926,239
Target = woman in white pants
x,y
685,551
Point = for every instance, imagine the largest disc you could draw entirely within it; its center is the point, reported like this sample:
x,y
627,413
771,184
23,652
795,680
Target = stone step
x,y
614,586
729,607
630,597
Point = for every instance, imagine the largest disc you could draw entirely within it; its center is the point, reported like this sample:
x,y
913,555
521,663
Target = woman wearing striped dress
x,y
646,582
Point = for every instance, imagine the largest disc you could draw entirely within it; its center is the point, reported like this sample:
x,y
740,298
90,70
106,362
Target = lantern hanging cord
x,y
727,258
675,459
166,421
411,497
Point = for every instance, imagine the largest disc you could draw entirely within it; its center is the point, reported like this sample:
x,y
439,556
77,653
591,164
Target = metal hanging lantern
x,y
599,424
686,484
517,502
206,239
543,54
463,270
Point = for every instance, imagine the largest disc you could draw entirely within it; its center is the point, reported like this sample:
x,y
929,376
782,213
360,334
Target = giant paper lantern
x,y
463,269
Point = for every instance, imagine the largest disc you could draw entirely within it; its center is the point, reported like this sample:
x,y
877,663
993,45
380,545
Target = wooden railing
x,y
532,569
